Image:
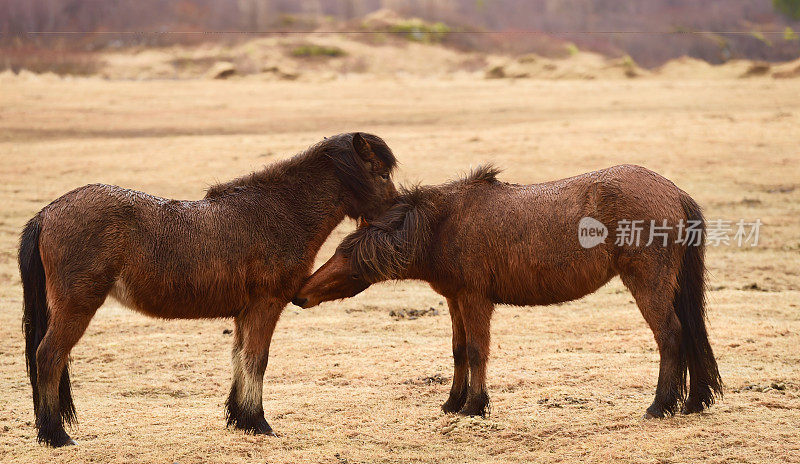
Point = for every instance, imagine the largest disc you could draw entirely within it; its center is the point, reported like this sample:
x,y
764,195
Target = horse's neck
x,y
329,211
325,228
315,199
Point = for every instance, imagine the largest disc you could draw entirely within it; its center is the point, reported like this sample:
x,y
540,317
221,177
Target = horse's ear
x,y
362,147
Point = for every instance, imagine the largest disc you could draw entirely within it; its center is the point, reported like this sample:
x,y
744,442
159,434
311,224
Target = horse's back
x,y
521,242
90,217
163,257
554,209
100,216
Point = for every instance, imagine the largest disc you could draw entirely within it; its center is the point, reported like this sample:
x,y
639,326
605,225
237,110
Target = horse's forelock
x,y
350,169
381,150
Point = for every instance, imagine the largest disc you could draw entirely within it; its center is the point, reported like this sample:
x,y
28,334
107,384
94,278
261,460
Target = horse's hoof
x,y
472,412
65,442
448,408
55,438
656,411
453,405
650,415
473,409
263,428
476,405
691,407
266,432
254,426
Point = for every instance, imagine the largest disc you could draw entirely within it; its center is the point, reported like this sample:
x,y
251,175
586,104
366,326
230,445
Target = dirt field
x,y
347,382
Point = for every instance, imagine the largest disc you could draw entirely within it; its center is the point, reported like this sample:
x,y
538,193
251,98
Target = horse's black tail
x,y
35,316
689,305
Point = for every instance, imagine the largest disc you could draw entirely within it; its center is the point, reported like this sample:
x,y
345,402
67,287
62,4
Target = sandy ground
x,y
347,383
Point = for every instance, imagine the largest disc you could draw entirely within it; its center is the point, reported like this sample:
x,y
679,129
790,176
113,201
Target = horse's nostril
x,y
299,301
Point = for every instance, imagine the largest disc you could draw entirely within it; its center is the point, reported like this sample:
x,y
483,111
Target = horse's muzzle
x,y
299,301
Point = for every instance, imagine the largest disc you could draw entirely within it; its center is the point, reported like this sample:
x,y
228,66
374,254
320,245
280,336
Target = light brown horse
x,y
480,242
240,252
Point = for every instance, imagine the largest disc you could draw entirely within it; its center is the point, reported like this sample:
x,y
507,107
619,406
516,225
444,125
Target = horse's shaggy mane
x,y
483,173
337,151
388,246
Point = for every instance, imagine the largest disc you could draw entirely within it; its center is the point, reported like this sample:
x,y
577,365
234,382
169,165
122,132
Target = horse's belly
x,y
538,284
178,303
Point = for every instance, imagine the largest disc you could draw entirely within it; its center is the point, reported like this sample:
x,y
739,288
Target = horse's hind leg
x,y
254,328
65,327
458,392
476,312
654,293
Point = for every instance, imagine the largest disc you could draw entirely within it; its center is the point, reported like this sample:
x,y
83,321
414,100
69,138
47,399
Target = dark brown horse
x,y
240,252
479,242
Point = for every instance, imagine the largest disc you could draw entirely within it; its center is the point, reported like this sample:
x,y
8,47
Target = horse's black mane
x,y
337,149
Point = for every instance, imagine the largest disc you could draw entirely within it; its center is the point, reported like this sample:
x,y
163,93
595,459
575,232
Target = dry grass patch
x,y
346,381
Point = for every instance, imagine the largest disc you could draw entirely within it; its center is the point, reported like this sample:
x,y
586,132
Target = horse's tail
x,y
689,305
35,315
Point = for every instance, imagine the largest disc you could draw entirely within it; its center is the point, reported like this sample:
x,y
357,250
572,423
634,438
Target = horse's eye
x,y
385,176
355,276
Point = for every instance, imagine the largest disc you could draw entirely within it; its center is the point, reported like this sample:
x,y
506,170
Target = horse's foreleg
x,y
653,295
254,328
232,412
458,392
476,313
